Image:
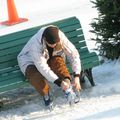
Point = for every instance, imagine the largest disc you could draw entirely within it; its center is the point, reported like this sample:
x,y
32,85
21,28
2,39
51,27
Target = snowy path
x,y
101,102
88,109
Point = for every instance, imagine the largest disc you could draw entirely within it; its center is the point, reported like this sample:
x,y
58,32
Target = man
x,y
43,59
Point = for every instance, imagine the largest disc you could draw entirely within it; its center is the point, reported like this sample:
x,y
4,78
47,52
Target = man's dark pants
x,y
39,82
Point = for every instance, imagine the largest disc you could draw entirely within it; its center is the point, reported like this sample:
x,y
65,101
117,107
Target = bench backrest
x,y
11,44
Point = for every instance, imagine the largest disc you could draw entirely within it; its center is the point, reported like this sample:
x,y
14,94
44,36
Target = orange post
x,y
12,15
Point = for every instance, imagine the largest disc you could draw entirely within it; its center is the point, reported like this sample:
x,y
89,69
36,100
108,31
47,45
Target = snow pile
x,y
97,103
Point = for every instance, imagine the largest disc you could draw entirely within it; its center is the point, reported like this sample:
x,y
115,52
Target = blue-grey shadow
x,y
105,114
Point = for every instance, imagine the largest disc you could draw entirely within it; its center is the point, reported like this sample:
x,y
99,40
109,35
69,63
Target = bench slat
x,y
91,59
8,57
9,70
11,50
8,64
77,39
9,76
70,28
74,33
13,43
12,80
13,56
21,40
13,86
89,65
32,31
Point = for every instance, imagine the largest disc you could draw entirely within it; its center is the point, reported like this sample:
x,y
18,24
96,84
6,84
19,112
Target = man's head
x,y
51,35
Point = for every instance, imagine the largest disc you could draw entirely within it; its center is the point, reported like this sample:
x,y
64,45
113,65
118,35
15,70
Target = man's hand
x,y
65,85
76,84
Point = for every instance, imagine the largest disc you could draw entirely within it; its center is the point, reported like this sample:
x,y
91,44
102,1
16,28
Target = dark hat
x,y
51,34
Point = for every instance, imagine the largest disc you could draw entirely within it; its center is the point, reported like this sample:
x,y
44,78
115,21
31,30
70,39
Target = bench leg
x,y
1,104
82,80
88,74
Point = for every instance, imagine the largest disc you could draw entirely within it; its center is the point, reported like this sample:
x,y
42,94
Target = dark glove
x,y
58,82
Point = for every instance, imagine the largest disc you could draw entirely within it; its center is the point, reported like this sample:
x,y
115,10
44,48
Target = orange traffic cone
x,y
12,15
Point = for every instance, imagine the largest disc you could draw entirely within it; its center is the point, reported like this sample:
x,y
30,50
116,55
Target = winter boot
x,y
48,101
70,95
77,96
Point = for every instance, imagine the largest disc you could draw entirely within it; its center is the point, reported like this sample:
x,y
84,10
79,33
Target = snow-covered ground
x,y
101,102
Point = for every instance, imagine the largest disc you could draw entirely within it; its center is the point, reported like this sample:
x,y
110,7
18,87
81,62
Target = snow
x,y
101,102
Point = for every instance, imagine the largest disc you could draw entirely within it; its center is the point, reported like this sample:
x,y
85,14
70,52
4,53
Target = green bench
x,y
11,44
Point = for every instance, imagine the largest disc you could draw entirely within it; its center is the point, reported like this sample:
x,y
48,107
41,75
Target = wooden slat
x,y
91,59
83,50
13,43
80,45
89,65
86,54
7,64
77,39
17,42
74,33
10,76
9,70
66,22
10,81
13,86
10,50
20,41
32,31
17,35
70,28
8,57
